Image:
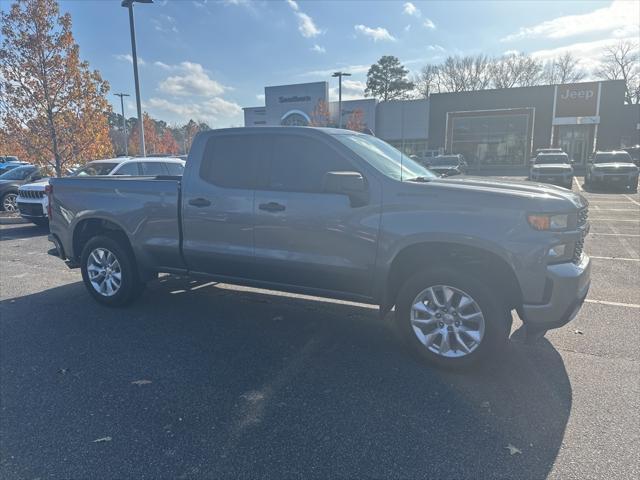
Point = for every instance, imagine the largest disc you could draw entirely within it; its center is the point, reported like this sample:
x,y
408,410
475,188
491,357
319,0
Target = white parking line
x,y
613,235
578,184
617,258
608,219
631,200
614,304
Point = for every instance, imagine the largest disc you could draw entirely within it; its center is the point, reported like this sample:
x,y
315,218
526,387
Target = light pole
x,y
340,75
129,4
124,122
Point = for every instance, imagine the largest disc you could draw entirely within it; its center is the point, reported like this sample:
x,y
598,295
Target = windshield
x,y
383,157
444,161
96,169
612,158
19,173
546,159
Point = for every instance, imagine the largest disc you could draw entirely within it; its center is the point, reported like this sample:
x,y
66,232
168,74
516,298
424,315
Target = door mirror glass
x,y
351,184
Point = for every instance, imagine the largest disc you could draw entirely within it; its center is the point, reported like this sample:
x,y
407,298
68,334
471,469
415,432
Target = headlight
x,y
548,222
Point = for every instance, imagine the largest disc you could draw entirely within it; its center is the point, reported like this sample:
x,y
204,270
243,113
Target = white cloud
x,y
589,54
428,24
192,79
162,65
217,112
164,24
306,25
126,57
260,96
622,18
351,90
327,72
411,9
511,52
436,48
376,34
407,28
318,49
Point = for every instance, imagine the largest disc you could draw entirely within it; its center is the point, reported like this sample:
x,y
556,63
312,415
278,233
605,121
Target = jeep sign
x,y
577,100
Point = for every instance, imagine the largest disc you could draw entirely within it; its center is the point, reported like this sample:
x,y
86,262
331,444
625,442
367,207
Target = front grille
x,y
548,171
621,170
31,194
577,252
583,216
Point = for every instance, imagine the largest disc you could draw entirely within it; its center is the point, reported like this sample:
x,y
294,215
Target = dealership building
x,y
489,127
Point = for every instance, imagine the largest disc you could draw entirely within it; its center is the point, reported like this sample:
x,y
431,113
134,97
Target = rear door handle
x,y
199,202
272,207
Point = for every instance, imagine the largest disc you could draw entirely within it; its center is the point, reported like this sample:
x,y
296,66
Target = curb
x,y
12,220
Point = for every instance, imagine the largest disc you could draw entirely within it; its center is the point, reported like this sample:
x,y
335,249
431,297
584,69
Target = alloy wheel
x,y
9,203
105,273
447,321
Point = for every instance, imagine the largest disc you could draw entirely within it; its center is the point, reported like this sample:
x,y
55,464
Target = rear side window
x,y
128,169
231,160
175,169
153,168
299,164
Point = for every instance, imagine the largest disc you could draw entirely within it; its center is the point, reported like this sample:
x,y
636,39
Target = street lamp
x,y
124,122
129,4
340,75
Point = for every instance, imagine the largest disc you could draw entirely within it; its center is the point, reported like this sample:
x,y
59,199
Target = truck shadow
x,y
22,231
247,384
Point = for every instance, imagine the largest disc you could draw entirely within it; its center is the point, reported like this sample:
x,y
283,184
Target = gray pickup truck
x,y
343,215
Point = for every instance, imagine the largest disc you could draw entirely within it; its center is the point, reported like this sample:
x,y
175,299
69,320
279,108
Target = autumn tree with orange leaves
x,y
356,121
51,103
151,138
320,114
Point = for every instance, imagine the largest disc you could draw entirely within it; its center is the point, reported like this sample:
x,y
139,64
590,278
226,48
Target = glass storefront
x,y
576,141
490,138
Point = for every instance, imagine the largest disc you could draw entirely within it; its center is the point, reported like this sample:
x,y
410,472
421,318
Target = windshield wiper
x,y
418,179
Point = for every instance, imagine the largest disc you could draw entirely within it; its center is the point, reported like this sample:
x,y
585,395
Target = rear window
x,y
612,157
153,168
231,160
102,168
444,161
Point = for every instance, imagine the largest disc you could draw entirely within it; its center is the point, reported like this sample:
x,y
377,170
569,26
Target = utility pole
x,y
124,122
129,4
340,75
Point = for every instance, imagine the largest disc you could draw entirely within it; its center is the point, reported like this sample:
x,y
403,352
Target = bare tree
x,y
515,70
563,69
463,74
427,81
620,62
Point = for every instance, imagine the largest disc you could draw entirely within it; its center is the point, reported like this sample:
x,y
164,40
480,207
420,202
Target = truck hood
x,y
553,166
36,186
515,188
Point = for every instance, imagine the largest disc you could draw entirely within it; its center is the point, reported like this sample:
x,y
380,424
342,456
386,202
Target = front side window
x,y
102,168
383,157
300,163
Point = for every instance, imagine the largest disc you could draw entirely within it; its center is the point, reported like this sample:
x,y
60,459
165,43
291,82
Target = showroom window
x,y
490,139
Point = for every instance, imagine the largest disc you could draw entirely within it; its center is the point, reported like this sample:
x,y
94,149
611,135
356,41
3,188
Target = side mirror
x,y
351,184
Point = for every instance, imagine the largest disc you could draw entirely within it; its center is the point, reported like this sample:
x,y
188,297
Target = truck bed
x,y
146,208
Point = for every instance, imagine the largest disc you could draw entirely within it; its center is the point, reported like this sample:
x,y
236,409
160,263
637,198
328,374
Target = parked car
x,y
447,165
8,158
634,152
339,214
544,150
10,165
33,202
553,168
11,180
612,168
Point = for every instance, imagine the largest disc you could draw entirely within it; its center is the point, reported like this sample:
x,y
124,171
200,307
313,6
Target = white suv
x,y
33,203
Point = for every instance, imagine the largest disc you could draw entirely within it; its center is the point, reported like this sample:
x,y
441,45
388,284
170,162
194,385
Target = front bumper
x,y
556,179
569,284
31,209
615,177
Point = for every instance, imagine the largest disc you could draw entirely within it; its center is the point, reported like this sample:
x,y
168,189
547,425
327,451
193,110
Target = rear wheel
x,y
450,318
109,272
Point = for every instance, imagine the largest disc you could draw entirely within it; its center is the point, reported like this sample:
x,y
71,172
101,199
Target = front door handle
x,y
272,207
199,202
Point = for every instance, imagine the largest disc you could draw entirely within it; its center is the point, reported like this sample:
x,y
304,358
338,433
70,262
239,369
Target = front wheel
x,y
9,202
109,273
450,318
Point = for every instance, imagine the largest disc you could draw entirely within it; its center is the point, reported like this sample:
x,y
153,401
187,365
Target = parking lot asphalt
x,y
202,380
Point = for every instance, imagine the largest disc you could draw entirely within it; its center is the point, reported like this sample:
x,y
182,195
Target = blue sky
x,y
207,59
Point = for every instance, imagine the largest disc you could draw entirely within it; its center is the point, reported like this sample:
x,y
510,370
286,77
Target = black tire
x,y
633,186
130,287
497,316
